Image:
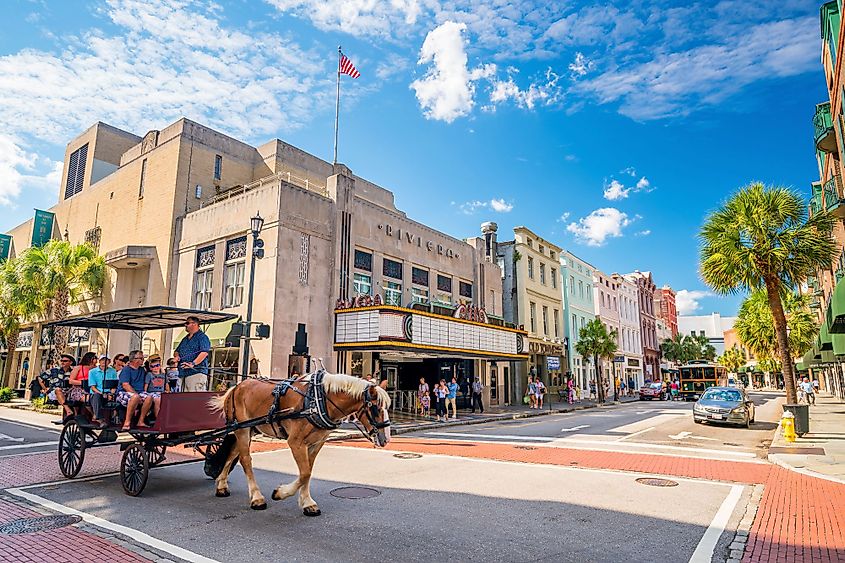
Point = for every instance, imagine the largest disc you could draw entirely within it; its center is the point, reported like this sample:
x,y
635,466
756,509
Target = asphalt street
x,y
647,426
22,432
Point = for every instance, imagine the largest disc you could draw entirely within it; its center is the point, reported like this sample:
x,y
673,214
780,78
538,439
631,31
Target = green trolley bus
x,y
697,375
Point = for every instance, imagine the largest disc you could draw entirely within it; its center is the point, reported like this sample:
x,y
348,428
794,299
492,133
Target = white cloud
x,y
643,184
499,205
687,301
564,217
545,92
20,169
615,190
447,90
598,226
643,233
391,65
379,18
580,66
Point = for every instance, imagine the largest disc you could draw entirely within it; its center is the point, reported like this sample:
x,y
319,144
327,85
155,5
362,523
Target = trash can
x,y
802,417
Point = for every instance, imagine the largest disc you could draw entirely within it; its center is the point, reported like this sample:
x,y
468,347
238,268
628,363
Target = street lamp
x,y
256,224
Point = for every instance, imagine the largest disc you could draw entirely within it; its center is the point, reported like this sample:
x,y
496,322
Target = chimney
x,y
491,249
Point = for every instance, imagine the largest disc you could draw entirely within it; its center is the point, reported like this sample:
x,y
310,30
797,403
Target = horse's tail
x,y
224,403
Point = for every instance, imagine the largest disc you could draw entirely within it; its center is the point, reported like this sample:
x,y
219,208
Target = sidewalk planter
x,y
802,417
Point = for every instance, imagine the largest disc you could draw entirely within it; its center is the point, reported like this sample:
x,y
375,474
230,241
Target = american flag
x,y
345,66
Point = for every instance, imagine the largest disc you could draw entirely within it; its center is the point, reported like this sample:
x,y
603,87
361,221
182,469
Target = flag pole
x,y
337,105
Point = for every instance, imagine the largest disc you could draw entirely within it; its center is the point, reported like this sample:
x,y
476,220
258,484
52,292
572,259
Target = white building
x,y
630,339
713,326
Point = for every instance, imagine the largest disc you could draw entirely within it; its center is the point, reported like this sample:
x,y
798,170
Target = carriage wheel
x,y
71,450
134,469
157,455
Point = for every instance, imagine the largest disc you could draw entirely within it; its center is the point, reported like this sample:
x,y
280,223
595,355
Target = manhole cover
x,y
657,482
407,455
40,524
355,493
525,447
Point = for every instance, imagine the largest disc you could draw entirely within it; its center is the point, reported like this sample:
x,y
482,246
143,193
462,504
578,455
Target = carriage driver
x,y
192,356
131,394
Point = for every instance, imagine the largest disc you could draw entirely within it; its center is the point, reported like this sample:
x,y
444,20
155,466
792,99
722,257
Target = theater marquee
x,y
392,328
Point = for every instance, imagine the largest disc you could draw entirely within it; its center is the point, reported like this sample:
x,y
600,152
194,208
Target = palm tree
x,y
17,305
755,325
732,359
594,341
701,348
62,273
761,238
681,349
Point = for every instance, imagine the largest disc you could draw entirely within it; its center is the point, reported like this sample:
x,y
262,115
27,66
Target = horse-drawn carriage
x,y
220,425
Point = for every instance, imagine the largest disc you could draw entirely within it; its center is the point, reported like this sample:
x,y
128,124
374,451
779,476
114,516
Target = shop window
x,y
466,290
542,273
419,277
363,260
363,284
392,269
444,284
393,293
530,268
419,295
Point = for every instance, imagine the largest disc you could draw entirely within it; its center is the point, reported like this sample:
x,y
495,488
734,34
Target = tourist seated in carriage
x,y
154,385
51,382
97,390
78,380
131,392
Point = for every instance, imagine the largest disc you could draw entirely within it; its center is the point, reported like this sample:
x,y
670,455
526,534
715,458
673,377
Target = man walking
x,y
477,389
192,357
809,391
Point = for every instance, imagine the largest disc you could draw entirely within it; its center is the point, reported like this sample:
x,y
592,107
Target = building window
x,y
556,316
465,289
542,273
551,255
542,249
614,303
419,295
234,271
545,320
530,243
218,167
575,332
530,268
76,171
532,310
444,284
204,278
553,275
571,285
392,269
363,260
143,177
581,288
362,284
419,277
393,293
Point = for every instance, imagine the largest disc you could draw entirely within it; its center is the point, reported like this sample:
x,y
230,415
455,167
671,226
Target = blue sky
x,y
610,128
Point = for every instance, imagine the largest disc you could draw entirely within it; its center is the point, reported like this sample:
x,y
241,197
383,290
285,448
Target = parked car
x,y
652,391
729,405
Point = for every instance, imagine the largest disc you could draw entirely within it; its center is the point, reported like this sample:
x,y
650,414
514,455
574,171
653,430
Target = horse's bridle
x,y
370,409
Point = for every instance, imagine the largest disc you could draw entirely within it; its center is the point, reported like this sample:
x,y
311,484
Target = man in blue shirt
x,y
96,378
131,391
192,356
451,398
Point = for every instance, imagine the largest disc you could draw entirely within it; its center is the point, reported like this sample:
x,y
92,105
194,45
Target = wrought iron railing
x,y
839,270
833,192
822,122
816,205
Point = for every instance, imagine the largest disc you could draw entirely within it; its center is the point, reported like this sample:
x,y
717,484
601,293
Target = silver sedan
x,y
724,404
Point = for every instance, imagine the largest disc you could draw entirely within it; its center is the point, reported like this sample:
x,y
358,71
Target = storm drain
x,y
355,493
40,524
407,455
657,482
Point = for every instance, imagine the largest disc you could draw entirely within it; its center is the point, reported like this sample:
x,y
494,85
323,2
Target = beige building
x,y
170,211
533,299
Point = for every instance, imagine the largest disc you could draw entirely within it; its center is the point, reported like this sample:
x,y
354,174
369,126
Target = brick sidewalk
x,y
800,518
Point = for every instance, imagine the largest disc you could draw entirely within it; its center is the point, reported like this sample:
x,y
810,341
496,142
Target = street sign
x,y
553,362
42,227
618,359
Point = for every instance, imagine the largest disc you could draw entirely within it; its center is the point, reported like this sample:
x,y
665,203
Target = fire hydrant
x,y
788,425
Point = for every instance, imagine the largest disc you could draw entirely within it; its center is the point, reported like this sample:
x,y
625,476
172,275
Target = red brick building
x,y
664,308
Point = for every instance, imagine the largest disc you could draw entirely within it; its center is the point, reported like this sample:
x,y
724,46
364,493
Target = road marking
x,y
704,551
30,426
643,431
680,435
10,438
495,436
136,535
32,445
654,421
574,428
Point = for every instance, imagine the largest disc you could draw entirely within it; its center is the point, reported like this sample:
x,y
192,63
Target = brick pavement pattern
x,y
800,518
60,545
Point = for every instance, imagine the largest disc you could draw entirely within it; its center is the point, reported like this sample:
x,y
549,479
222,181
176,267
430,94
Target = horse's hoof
x,y
276,496
223,493
261,506
311,511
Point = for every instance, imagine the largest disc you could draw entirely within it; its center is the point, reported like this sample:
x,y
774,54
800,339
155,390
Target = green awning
x,y
836,309
825,341
828,357
801,366
216,333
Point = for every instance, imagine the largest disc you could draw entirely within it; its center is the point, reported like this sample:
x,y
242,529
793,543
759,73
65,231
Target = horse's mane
x,y
351,385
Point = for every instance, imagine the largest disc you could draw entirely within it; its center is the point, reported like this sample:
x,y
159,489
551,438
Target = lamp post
x,y
256,224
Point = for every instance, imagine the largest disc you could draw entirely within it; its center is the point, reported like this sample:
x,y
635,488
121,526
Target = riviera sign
x,y
411,238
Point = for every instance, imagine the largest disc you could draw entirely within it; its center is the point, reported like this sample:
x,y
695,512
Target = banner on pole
x,y
42,227
5,247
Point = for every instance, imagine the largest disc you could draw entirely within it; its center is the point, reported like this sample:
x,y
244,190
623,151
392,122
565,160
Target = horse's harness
x,y
314,408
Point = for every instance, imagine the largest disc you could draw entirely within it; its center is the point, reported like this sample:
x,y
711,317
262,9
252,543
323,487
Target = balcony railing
x,y
833,196
823,127
839,272
816,204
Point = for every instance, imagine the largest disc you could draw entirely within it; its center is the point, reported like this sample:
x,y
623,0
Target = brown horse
x,y
254,398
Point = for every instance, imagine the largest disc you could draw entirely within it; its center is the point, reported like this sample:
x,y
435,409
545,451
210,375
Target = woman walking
x,y
541,391
440,392
532,393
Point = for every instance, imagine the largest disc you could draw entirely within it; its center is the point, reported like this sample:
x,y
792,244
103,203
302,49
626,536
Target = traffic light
x,y
258,248
262,331
233,339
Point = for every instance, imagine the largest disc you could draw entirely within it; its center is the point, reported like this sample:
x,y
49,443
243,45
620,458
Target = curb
x,y
774,458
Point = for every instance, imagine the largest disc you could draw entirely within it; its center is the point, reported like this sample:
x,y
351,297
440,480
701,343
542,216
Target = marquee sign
x,y
394,327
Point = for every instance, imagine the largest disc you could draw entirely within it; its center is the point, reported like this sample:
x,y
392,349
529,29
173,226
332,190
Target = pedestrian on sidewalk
x,y
532,393
440,393
477,389
570,390
592,389
424,398
452,398
809,391
630,385
541,391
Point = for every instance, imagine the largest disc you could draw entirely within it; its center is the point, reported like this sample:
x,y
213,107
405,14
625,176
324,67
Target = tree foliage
x,y
755,325
761,238
733,359
682,349
596,342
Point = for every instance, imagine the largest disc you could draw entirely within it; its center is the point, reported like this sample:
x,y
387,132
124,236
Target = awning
x,y
216,333
836,309
144,318
801,366
825,341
